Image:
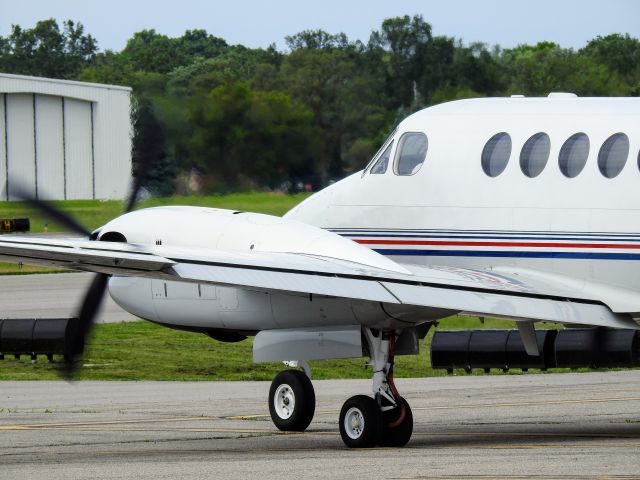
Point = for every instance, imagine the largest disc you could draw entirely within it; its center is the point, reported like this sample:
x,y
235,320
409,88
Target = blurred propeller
x,y
95,293
86,317
144,165
49,210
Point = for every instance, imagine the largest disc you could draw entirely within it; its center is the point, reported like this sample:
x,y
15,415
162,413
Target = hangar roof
x,y
10,83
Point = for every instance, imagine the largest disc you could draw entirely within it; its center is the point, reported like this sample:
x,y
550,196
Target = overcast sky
x,y
253,23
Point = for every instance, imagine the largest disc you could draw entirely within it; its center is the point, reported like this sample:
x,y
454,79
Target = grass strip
x,y
145,351
95,213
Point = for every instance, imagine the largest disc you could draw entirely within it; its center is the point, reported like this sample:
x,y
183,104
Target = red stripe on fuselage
x,y
498,244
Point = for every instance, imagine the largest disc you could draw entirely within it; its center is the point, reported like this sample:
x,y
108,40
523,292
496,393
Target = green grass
x,y
144,351
95,213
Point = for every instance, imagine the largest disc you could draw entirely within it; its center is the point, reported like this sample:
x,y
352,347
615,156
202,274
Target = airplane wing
x,y
517,295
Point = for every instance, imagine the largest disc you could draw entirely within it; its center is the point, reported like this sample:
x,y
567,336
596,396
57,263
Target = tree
x,y
337,87
198,43
237,64
45,51
546,67
316,40
621,53
153,52
149,150
240,133
406,41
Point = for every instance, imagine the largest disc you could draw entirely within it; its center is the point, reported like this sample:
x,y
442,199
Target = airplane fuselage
x,y
546,186
451,212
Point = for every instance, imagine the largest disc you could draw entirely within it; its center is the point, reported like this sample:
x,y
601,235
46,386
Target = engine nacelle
x,y
227,230
203,307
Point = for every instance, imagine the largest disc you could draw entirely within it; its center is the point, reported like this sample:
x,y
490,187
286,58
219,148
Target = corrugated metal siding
x,y
110,164
20,143
112,158
78,151
3,151
49,145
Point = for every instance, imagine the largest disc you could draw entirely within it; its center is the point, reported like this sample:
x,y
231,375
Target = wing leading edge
x,y
499,294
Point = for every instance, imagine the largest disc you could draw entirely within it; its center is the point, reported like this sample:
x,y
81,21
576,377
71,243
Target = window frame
x,y
380,151
508,159
380,157
617,135
396,155
586,159
537,135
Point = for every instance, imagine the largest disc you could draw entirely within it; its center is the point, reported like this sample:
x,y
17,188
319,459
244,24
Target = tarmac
x,y
582,425
52,296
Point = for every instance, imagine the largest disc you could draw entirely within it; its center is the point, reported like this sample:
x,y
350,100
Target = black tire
x,y
370,429
296,386
397,435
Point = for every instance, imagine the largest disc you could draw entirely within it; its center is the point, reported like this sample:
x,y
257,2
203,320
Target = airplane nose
x,y
134,295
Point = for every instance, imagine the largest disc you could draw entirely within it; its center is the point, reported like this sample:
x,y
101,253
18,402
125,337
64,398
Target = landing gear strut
x,y
385,419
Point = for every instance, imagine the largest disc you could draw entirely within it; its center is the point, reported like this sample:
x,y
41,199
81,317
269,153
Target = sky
x,y
253,23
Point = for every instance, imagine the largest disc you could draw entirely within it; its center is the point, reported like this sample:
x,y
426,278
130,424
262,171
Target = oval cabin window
x,y
573,155
496,153
411,152
535,154
613,155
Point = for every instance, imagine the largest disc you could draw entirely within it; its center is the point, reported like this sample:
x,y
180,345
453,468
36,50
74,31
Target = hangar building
x,y
64,140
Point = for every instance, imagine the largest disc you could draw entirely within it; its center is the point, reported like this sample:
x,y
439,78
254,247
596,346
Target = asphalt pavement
x,y
52,295
515,426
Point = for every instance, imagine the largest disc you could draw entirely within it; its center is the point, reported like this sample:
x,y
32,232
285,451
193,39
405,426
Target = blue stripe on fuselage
x,y
507,254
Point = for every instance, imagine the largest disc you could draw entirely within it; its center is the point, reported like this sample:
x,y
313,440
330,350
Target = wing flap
x,y
515,307
333,286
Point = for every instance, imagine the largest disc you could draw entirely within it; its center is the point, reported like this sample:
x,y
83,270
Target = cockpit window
x,y
410,154
381,164
375,158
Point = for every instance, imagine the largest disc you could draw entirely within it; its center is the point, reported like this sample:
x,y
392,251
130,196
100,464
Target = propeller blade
x,y
133,195
141,173
49,210
86,317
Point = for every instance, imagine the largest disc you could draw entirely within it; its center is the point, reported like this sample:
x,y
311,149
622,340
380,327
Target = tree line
x,y
263,118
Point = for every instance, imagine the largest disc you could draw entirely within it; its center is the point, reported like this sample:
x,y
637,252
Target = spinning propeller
x,y
95,293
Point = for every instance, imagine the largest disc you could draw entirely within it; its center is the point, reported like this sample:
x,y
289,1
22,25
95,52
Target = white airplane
x,y
517,208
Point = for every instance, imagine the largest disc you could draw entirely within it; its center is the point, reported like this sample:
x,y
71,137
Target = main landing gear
x,y
382,420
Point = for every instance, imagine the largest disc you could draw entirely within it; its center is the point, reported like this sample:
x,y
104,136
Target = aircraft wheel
x,y
397,431
360,422
292,401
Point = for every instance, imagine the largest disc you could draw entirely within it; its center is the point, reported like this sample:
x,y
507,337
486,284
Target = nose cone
x,y
134,295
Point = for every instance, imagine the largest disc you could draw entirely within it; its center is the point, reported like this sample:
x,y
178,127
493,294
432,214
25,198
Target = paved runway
x,y
52,295
529,426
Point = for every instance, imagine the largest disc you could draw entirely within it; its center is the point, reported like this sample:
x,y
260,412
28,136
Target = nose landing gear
x,y
292,401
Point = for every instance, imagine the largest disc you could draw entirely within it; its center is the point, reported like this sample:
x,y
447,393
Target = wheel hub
x,y
354,423
284,401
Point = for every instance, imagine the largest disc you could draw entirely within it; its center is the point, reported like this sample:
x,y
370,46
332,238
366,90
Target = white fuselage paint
x,y
449,213
452,213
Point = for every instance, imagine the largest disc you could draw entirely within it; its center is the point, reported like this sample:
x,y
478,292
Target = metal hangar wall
x,y
64,140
